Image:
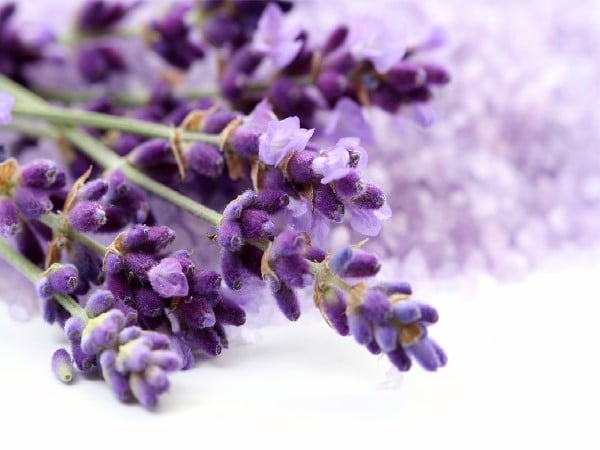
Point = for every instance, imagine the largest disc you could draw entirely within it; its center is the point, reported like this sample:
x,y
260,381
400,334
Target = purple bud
x,y
349,186
205,159
184,258
228,312
360,328
206,283
168,360
99,302
205,340
135,359
39,174
230,236
113,263
62,366
196,313
64,279
156,378
286,299
340,259
376,307
400,359
148,302
100,15
428,313
395,287
373,347
93,190
299,167
362,264
334,308
49,310
332,85
44,289
97,63
220,29
150,153
125,143
256,224
142,391
217,121
386,337
287,243
233,270
9,218
139,264
159,237
118,382
32,203
87,216
234,209
244,141
335,39
184,352
427,354
405,76
327,203
406,311
73,328
436,74
82,360
129,334
372,198
167,278
271,200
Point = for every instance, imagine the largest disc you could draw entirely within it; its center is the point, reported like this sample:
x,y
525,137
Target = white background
x,y
523,373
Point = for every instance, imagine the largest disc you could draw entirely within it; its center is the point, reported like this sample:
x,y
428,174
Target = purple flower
x,y
62,365
336,162
368,221
276,38
347,119
167,278
6,105
371,39
282,138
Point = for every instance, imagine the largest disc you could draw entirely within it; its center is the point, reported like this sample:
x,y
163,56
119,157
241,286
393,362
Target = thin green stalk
x,y
56,222
33,274
64,116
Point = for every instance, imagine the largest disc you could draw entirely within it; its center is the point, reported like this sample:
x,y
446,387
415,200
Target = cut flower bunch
x,y
272,157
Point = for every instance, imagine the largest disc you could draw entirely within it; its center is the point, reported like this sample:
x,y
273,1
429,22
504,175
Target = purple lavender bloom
x,y
62,365
347,119
9,218
63,278
97,63
372,40
368,221
99,15
167,278
336,162
275,38
87,216
282,138
6,104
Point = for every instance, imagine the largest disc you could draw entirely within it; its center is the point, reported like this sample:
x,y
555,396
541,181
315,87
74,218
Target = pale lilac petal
x,y
347,119
276,38
167,278
371,39
282,138
260,116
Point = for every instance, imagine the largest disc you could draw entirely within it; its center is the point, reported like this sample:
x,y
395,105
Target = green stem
x,y
56,222
33,274
64,116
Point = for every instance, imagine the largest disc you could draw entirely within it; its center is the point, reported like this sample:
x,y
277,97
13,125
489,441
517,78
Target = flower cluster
x,y
248,157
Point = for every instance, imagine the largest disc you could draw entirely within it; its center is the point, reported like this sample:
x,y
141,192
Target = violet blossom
x,y
276,38
281,138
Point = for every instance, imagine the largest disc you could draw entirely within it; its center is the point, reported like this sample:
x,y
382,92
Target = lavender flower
x,y
62,365
276,38
281,138
372,40
168,279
